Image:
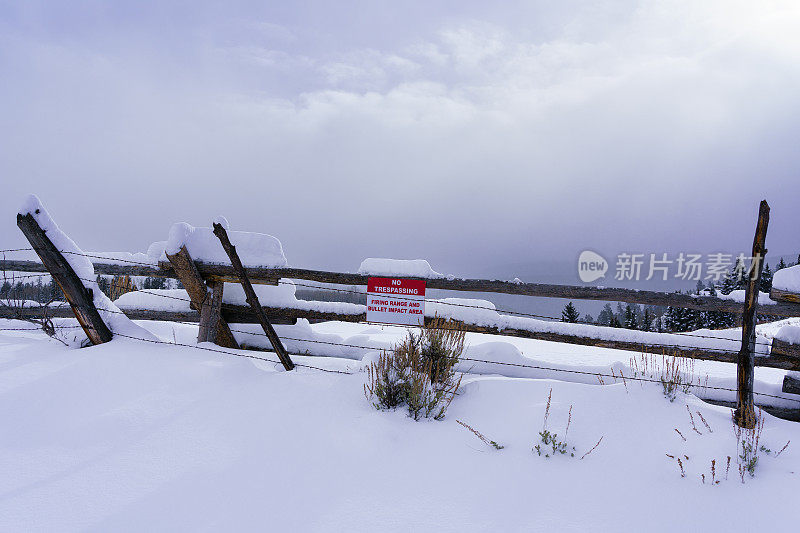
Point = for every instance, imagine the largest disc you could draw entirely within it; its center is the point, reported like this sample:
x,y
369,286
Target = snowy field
x,y
137,436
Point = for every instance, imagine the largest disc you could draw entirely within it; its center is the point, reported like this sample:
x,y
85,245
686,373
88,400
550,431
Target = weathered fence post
x,y
211,313
252,298
791,384
121,285
79,297
745,415
202,301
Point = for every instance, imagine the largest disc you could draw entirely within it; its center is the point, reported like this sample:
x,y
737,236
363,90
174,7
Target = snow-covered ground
x,y
137,436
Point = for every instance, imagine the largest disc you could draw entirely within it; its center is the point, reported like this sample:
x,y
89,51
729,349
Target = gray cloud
x,y
465,134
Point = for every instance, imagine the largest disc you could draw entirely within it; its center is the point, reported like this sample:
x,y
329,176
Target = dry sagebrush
x,y
419,372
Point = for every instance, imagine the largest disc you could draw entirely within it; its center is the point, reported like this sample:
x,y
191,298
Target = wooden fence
x,y
201,279
783,356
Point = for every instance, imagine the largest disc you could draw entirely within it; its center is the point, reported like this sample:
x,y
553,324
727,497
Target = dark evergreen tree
x,y
766,279
647,320
671,319
740,274
729,283
781,265
104,285
720,320
55,293
679,319
606,316
39,290
569,314
631,321
620,313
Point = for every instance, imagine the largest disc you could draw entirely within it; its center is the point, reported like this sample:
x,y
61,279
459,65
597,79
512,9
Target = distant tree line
x,y
30,290
50,292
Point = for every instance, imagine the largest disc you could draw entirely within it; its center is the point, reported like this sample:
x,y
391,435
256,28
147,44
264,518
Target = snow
x,y
122,258
471,311
254,249
409,268
787,279
738,296
115,320
132,436
482,313
29,303
155,252
789,334
282,295
222,221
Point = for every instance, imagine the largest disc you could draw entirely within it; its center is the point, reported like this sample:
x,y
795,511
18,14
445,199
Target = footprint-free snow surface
x,y
137,436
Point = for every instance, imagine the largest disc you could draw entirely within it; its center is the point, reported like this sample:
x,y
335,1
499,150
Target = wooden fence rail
x,y
271,276
242,314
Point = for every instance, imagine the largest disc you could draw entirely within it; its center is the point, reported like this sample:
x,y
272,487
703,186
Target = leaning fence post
x,y
79,297
745,415
202,301
252,298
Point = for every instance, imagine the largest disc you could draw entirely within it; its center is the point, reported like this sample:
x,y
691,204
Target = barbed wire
x,y
37,329
15,278
510,312
652,345
325,287
111,259
16,250
646,344
470,359
487,361
437,302
537,367
244,355
643,344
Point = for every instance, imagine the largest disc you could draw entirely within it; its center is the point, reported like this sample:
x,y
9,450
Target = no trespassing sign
x,y
396,301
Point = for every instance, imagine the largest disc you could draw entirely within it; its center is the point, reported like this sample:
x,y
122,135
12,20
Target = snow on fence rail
x,y
270,275
168,305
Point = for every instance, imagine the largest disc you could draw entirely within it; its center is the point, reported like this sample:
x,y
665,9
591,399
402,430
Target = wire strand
x,y
537,367
651,345
16,250
438,302
506,311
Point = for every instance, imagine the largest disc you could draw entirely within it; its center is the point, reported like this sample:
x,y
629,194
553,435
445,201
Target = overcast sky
x,y
470,133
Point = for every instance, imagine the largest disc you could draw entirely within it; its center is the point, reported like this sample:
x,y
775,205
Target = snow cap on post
x,y
116,321
254,249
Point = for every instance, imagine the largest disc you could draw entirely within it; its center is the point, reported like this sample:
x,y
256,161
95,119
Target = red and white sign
x,y
396,301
